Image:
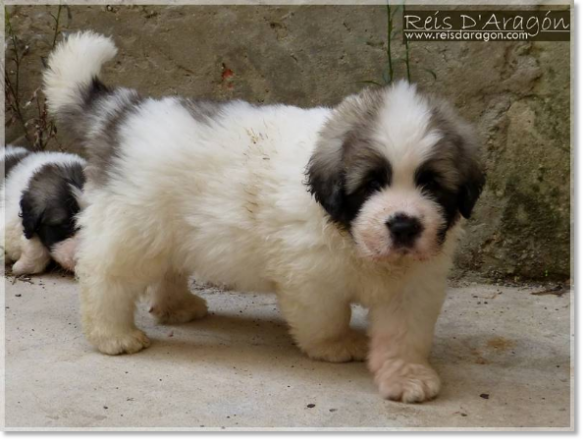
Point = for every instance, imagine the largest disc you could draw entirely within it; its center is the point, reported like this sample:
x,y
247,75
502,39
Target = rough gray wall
x,y
518,95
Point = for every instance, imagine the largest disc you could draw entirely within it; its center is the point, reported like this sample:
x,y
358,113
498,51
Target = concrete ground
x,y
503,354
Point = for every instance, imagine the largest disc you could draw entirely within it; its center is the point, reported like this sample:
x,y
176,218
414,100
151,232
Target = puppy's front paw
x,y
188,309
115,343
24,267
399,380
351,347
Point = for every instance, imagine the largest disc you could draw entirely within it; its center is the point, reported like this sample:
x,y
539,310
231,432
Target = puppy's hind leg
x,y
173,303
321,329
34,257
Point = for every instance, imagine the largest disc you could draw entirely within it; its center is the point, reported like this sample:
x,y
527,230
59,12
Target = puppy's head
x,y
397,169
49,206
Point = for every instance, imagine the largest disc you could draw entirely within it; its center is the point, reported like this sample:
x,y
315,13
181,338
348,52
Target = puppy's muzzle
x,y
404,230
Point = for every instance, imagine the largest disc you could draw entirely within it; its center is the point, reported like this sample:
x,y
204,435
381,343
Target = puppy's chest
x,y
375,284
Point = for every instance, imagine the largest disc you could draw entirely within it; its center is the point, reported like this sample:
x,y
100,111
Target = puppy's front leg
x,y
402,333
107,308
33,259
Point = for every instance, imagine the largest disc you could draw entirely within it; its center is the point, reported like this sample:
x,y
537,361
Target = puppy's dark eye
x,y
428,180
376,180
374,184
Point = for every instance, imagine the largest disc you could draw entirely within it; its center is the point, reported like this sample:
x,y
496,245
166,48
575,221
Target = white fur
x,y
69,74
34,257
29,256
227,200
64,253
402,128
11,150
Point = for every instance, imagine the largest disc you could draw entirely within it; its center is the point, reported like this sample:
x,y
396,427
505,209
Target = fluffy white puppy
x,y
324,207
42,194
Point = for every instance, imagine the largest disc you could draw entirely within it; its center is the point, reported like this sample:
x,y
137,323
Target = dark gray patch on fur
x,y
11,160
96,124
103,149
344,169
73,115
203,111
363,165
457,156
49,204
453,176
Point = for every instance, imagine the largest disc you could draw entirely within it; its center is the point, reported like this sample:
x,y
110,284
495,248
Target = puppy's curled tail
x,y
71,78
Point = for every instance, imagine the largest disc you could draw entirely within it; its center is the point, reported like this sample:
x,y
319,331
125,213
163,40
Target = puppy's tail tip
x,y
73,69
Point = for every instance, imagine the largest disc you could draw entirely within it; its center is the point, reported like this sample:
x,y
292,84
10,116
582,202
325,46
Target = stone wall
x,y
517,93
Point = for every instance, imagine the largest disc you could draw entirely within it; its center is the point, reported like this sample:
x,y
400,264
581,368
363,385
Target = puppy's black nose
x,y
404,229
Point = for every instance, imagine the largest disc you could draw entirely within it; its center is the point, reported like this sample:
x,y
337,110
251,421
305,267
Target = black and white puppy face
x,y
397,169
51,202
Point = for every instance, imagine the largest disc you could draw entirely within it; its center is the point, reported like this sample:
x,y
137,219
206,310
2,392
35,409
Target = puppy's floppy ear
x,y
325,180
465,155
30,214
470,190
471,168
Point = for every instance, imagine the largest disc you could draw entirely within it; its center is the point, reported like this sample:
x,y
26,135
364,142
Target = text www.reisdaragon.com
x,y
465,35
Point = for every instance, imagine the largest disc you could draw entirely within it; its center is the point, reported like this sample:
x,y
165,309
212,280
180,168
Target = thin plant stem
x,y
14,88
44,128
390,68
16,55
56,26
406,47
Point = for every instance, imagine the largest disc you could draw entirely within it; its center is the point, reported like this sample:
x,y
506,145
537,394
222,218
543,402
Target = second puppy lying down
x,y
42,198
324,207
